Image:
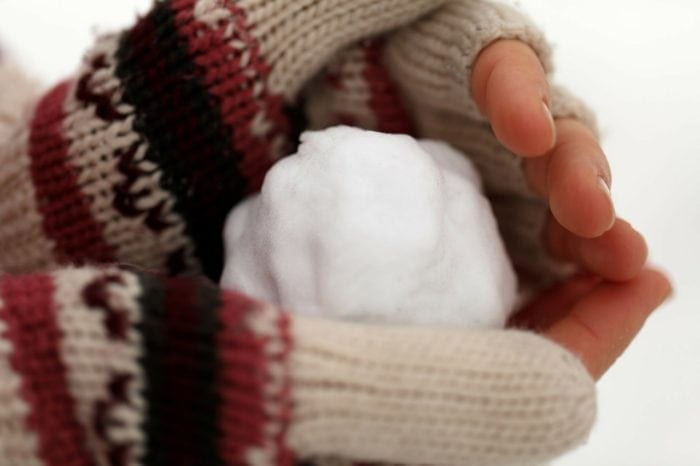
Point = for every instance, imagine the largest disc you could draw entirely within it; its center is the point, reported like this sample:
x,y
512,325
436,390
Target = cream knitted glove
x,y
438,98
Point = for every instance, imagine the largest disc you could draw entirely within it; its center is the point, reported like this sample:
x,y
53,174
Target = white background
x,y
637,62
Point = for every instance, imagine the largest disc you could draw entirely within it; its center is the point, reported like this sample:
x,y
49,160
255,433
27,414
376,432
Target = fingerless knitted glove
x,y
139,157
417,80
107,366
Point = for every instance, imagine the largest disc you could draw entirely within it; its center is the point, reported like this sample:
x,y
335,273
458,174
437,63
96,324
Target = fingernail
x,y
605,188
550,118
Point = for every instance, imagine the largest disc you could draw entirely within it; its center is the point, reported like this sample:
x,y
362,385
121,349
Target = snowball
x,y
372,227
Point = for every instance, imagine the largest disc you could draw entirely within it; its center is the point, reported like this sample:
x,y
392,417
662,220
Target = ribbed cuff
x,y
432,59
478,23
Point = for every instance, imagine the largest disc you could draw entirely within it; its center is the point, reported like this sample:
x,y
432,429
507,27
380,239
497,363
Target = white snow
x,y
372,227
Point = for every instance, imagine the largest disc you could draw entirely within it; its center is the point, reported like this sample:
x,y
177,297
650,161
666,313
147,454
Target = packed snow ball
x,y
372,227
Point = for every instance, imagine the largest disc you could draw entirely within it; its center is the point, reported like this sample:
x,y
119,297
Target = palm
x,y
592,318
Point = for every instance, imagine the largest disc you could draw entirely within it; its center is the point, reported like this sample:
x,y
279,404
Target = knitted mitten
x,y
108,366
139,158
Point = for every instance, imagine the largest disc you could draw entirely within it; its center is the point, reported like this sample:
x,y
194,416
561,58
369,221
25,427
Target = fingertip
x,y
578,181
510,86
578,199
519,116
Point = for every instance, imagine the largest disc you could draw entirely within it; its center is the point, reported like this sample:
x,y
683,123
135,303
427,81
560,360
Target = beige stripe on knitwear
x,y
25,245
22,222
18,444
96,360
17,93
421,396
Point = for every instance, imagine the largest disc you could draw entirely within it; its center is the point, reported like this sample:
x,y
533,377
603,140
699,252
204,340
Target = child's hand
x,y
565,164
593,318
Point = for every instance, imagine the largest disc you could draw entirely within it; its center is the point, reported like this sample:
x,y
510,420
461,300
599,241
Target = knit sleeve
x,y
140,156
108,366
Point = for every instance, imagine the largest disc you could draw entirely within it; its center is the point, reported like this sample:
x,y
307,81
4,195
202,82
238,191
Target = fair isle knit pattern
x,y
107,366
106,151
110,367
18,444
96,316
140,157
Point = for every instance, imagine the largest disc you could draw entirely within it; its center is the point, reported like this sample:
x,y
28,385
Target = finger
x,y
603,323
617,255
510,87
575,178
553,303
